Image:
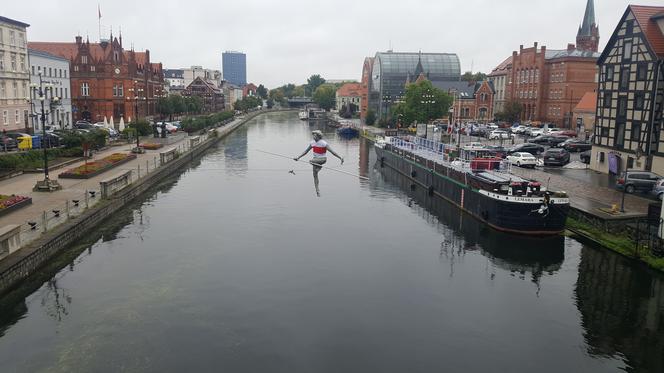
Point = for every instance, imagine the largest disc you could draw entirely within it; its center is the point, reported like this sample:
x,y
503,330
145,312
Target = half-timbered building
x,y
628,132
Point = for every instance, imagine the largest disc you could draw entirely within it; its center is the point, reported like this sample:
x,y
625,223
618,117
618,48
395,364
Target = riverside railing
x,y
80,201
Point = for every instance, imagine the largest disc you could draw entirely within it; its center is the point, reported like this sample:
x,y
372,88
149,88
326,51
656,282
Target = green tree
x,y
194,104
288,90
511,112
468,76
178,104
314,82
370,119
278,96
325,96
165,106
261,91
423,103
269,103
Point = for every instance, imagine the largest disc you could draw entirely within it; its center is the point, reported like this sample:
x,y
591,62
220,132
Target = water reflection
x,y
622,310
524,257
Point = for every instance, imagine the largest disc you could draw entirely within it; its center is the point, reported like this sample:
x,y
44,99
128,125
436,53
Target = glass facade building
x,y
391,71
234,66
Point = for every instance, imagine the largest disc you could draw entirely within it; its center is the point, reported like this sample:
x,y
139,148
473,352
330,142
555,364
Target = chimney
x,y
535,47
79,40
570,47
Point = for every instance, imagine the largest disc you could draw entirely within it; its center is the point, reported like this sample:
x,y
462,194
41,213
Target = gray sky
x,y
288,40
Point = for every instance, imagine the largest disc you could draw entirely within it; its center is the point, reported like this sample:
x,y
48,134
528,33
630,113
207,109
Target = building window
x,y
629,27
92,68
607,99
2,60
116,56
13,61
16,117
627,50
75,67
85,90
84,59
641,71
5,115
65,73
66,93
624,77
50,72
12,38
608,73
15,85
620,134
33,69
636,131
639,99
22,65
3,90
622,106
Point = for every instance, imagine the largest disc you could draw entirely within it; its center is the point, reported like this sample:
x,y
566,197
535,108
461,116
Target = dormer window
x,y
116,56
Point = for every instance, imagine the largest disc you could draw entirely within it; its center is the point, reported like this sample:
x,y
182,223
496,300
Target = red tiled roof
x,y
70,50
644,15
588,103
350,89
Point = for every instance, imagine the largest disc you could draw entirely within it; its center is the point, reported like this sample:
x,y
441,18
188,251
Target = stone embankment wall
x,y
22,263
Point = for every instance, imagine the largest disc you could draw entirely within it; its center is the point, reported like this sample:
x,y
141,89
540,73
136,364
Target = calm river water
x,y
236,265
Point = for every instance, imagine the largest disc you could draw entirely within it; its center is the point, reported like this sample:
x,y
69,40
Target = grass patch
x,y
621,244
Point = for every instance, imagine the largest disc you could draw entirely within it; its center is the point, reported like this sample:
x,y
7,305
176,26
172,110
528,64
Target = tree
x,y
278,96
194,104
165,106
261,91
269,103
511,112
178,104
314,82
468,76
422,103
325,96
370,119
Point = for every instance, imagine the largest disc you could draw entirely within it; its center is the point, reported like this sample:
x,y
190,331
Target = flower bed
x,y
151,146
13,202
97,167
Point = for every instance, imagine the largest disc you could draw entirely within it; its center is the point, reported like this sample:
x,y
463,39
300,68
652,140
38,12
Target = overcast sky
x,y
288,40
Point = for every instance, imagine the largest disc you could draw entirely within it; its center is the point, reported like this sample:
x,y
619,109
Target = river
x,y
236,265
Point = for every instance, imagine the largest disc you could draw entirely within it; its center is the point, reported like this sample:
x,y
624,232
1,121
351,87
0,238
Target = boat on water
x,y
482,186
304,115
348,129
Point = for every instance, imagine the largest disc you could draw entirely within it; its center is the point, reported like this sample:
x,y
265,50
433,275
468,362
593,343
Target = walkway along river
x,y
236,265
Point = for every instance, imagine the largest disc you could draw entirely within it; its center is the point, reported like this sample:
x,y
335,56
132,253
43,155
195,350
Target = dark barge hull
x,y
507,214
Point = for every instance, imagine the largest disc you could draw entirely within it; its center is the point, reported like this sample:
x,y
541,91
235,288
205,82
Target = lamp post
x,y
42,92
427,100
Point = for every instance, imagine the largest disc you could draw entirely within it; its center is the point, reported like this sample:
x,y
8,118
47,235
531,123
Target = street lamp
x,y
42,92
427,100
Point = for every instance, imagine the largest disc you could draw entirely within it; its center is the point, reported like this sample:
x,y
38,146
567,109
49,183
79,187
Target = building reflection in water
x,y
622,310
236,162
526,258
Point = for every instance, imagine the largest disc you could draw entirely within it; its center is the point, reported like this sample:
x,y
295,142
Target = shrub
x,y
144,127
199,123
35,158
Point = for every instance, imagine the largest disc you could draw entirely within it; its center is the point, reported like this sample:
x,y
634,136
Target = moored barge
x,y
483,187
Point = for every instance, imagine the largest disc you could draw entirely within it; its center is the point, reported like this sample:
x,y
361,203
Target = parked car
x,y
575,145
7,143
658,189
555,140
520,129
633,181
533,131
585,157
83,125
541,139
112,132
478,131
492,126
497,150
526,148
52,140
522,159
499,134
556,156
568,133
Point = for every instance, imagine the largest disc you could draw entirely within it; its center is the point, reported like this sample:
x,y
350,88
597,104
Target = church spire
x,y
588,20
419,69
588,36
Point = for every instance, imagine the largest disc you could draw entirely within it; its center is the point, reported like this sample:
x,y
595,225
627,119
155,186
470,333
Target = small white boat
x,y
304,115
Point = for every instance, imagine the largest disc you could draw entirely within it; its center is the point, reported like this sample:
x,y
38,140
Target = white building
x,y
190,74
53,71
14,75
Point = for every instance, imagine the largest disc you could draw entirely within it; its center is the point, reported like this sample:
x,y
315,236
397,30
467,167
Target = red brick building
x,y
473,102
249,90
549,82
365,86
107,80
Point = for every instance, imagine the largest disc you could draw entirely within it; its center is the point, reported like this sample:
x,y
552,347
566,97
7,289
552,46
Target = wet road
x,y
236,265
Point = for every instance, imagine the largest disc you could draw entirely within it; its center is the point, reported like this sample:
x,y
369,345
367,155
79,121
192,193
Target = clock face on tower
x,y
117,71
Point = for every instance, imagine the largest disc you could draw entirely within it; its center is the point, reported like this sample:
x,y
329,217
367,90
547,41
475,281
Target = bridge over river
x,y
237,265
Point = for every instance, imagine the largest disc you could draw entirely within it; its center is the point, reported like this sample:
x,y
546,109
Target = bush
x,y
35,158
95,138
200,123
370,118
144,127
